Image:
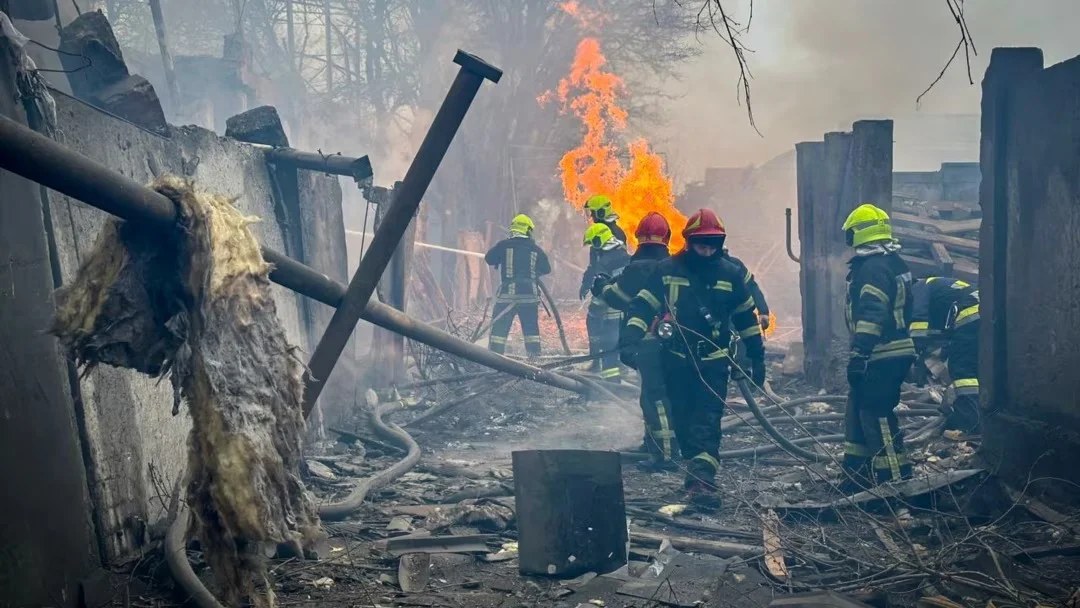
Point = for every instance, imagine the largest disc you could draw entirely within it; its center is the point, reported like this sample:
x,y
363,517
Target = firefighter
x,y
653,235
946,314
607,257
691,302
879,304
601,212
521,262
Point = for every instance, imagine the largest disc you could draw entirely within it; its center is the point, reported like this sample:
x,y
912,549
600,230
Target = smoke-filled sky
x,y
820,65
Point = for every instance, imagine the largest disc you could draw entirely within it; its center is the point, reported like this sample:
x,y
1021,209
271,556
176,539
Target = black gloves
x,y
598,284
584,292
628,352
856,369
757,372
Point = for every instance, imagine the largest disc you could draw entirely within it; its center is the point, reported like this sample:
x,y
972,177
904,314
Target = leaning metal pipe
x,y
395,221
179,566
47,162
790,250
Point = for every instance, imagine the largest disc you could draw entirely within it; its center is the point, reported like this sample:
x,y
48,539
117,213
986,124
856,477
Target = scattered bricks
x,y
89,40
260,125
134,100
31,10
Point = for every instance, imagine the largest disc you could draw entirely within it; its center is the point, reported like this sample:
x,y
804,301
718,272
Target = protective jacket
x,y
618,232
521,262
751,283
879,303
618,292
608,260
705,300
934,297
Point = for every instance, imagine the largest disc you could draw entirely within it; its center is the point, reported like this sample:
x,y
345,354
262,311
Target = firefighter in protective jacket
x,y
521,262
946,314
755,290
692,302
607,257
653,235
879,304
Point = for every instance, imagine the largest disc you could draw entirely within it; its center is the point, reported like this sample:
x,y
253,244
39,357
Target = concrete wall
x,y
835,176
1032,158
130,429
47,538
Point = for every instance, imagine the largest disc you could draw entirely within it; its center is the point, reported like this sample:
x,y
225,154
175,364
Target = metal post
x,y
396,220
166,57
47,162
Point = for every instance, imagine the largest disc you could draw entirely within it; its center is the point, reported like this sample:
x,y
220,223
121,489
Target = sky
x,y
819,65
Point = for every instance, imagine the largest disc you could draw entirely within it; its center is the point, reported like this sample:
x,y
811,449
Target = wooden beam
x,y
907,234
942,226
923,267
942,257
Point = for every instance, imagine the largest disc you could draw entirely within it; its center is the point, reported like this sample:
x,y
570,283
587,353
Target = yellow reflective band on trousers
x,y
753,330
664,433
866,327
966,386
705,457
612,372
650,299
904,347
532,339
856,449
638,323
968,315
497,339
890,450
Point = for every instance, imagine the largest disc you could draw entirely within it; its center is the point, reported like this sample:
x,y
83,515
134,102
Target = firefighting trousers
x,y
529,315
696,394
655,406
603,328
962,359
874,443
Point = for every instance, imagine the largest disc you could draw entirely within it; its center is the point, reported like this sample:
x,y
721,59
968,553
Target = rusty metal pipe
x,y
51,164
787,230
396,220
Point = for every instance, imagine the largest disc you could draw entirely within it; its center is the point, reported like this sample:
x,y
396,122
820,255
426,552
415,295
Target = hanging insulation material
x,y
195,305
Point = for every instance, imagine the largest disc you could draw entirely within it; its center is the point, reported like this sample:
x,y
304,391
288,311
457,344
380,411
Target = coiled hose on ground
x,y
175,540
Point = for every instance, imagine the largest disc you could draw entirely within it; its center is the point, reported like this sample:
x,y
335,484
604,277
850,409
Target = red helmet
x,y
653,228
704,223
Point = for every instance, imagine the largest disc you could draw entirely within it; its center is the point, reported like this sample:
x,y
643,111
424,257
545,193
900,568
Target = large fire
x,y
594,166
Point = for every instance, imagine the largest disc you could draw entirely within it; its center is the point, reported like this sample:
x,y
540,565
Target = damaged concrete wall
x,y
835,176
1030,252
47,538
130,428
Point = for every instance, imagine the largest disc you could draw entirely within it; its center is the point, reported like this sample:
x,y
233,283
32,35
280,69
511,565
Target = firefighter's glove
x,y
599,283
763,320
757,372
584,292
856,369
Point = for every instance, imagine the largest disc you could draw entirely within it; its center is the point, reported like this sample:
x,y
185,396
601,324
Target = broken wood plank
x,y
942,257
939,225
711,547
907,234
774,550
413,543
925,267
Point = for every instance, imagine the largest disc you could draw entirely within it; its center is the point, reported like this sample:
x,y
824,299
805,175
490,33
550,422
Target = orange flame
x,y
593,167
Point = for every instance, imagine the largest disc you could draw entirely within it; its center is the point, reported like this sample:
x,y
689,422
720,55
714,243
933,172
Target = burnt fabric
x,y
195,304
529,316
874,444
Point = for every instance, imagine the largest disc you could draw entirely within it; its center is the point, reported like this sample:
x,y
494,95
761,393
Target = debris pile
x,y
196,305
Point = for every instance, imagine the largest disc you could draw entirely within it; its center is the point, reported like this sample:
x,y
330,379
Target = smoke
x,y
818,66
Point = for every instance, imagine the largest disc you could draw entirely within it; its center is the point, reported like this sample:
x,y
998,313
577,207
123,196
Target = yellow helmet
x,y
599,206
597,235
522,224
867,224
